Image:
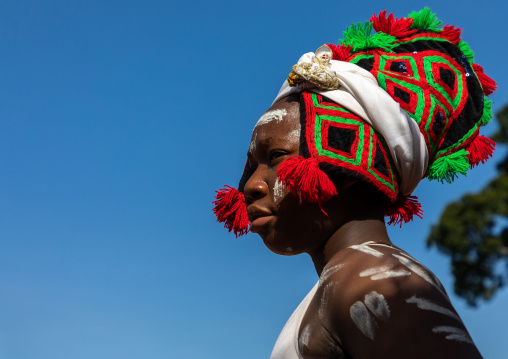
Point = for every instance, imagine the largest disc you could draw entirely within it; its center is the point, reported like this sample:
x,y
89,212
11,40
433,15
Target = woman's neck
x,y
351,233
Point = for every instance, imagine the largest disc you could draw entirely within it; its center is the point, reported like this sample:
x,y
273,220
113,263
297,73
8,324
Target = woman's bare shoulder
x,y
377,298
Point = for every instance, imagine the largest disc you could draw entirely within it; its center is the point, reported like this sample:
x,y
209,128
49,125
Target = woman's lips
x,y
259,223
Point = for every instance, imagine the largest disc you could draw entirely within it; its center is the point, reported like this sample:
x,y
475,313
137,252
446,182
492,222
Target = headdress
x,y
389,108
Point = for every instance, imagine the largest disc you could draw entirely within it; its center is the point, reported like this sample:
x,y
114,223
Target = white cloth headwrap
x,y
360,93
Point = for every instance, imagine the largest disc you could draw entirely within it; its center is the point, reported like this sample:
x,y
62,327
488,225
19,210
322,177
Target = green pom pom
x,y
425,19
448,167
466,50
360,38
487,112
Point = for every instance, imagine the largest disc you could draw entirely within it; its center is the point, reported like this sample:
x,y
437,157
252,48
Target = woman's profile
x,y
353,130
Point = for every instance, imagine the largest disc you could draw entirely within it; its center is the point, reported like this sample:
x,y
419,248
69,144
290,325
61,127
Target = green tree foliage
x,y
473,231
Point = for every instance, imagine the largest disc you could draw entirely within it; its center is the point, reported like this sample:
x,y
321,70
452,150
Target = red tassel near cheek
x,y
488,85
231,209
480,150
304,178
403,210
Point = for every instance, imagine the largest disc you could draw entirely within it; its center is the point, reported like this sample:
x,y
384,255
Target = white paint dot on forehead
x,y
272,115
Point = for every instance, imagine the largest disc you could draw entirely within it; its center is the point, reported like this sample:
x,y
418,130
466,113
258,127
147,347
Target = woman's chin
x,y
280,248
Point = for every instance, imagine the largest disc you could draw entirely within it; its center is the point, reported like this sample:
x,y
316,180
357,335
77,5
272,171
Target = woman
x,y
352,131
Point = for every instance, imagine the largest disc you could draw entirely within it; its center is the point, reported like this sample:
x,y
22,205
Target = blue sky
x,y
119,120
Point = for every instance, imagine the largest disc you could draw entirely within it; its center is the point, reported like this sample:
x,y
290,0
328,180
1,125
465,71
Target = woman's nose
x,y
256,186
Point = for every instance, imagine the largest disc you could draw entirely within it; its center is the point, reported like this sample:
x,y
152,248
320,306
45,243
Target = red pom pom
x,y
451,33
305,179
403,210
488,85
480,150
230,208
391,25
341,52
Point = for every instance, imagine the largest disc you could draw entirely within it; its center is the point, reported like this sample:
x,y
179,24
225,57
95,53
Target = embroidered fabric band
x,y
360,93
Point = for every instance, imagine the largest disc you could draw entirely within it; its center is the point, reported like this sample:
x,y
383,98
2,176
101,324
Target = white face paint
x,y
278,190
270,116
383,272
456,334
294,135
364,315
426,304
252,147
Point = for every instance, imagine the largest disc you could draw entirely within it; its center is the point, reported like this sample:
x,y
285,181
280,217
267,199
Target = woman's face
x,y
286,225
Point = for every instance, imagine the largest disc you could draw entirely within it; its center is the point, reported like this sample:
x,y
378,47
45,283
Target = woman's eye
x,y
276,154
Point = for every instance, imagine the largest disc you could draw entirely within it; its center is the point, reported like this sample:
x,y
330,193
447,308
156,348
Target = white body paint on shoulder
x,y
278,190
363,320
364,247
426,304
457,334
383,272
408,263
324,300
304,338
364,315
377,305
272,115
329,272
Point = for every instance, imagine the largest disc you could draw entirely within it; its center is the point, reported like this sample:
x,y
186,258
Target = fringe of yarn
x,y
391,25
451,33
425,19
231,209
341,52
305,179
448,167
480,150
359,37
466,50
403,210
487,112
488,84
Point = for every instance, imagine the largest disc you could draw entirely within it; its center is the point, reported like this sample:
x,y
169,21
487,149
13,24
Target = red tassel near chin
x,y
403,210
488,85
391,25
451,33
480,150
340,53
305,179
230,208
